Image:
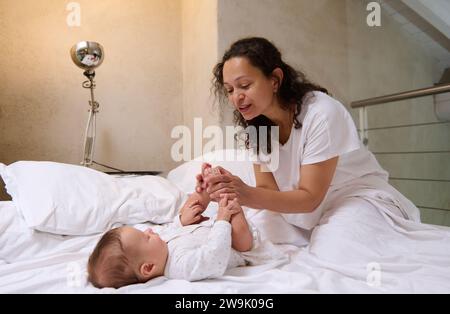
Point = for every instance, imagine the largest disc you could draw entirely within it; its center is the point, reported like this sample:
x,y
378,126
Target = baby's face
x,y
145,246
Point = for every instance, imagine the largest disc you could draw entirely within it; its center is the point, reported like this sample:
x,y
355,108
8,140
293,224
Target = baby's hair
x,y
108,264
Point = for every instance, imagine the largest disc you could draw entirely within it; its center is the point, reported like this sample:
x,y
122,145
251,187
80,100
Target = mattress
x,y
367,252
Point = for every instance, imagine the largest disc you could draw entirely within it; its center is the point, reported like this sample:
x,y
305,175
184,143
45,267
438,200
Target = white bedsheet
x,y
364,251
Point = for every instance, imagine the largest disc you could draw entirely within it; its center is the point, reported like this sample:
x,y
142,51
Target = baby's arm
x,y
197,202
202,198
193,208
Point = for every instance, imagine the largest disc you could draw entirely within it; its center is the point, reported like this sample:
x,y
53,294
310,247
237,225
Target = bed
x,y
365,251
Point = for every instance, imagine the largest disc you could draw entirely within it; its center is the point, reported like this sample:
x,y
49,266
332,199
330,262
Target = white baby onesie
x,y
199,251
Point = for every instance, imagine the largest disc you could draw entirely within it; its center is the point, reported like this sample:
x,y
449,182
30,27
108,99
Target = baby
x,y
190,248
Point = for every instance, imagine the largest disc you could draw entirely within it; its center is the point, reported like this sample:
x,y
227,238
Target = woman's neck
x,y
283,119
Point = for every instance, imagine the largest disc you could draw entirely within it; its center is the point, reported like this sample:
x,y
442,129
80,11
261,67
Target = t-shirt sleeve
x,y
329,132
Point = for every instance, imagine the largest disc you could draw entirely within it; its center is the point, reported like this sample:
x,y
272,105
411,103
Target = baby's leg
x,y
203,197
241,236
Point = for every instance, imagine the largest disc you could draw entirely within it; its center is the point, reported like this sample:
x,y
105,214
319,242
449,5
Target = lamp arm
x,y
89,136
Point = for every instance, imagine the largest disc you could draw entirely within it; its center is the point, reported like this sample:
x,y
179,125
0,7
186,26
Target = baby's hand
x,y
191,213
227,209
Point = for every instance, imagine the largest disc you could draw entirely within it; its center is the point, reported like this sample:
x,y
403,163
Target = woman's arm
x,y
314,183
264,179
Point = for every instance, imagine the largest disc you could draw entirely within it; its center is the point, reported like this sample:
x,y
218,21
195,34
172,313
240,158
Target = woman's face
x,y
248,89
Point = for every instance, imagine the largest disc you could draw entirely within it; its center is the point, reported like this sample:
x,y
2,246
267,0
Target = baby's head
x,y
125,256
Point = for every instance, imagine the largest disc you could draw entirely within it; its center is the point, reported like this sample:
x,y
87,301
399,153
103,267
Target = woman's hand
x,y
226,184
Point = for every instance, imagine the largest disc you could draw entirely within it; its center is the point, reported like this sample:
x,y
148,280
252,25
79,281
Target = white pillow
x,y
74,200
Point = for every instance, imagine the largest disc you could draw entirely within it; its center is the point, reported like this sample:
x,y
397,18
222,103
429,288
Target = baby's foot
x,y
211,171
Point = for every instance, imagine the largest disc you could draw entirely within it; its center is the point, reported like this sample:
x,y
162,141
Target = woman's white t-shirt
x,y
327,131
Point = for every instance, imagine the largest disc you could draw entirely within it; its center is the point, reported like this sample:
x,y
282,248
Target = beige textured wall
x,y
330,41
43,108
312,35
166,80
199,24
384,61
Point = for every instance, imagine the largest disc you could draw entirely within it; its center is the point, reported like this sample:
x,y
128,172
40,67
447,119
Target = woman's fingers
x,y
215,199
217,187
211,180
224,171
220,186
224,191
228,195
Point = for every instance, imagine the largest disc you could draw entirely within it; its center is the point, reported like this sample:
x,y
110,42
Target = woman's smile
x,y
244,108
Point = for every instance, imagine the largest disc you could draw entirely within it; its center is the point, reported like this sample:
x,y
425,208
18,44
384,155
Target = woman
x,y
322,164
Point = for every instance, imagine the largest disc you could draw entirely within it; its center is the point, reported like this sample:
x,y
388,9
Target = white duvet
x,y
360,251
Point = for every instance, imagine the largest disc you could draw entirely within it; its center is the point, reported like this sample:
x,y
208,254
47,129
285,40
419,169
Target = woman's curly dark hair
x,y
262,54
